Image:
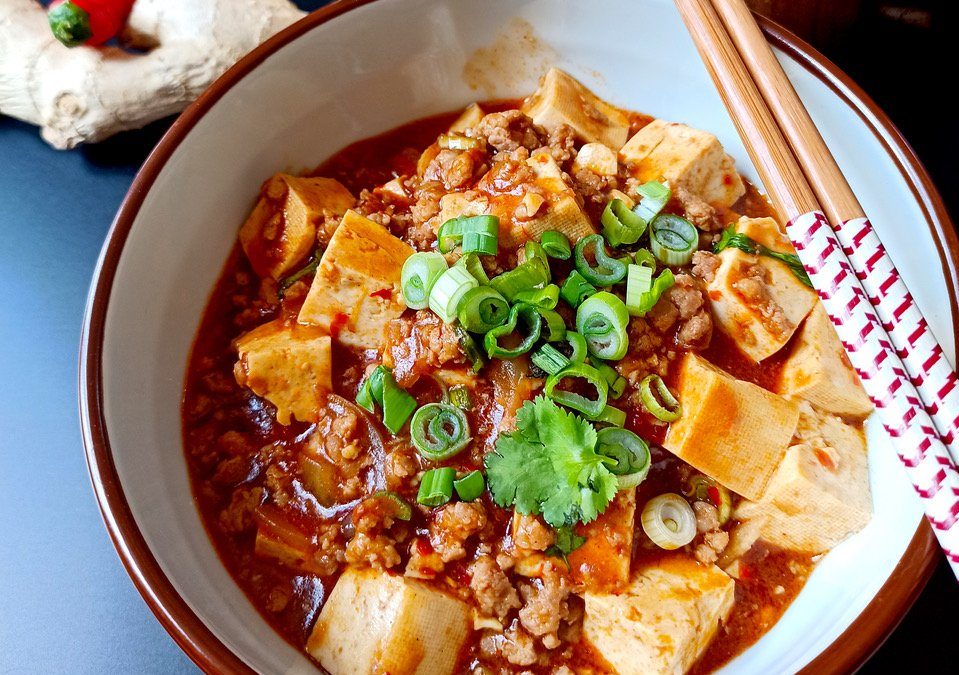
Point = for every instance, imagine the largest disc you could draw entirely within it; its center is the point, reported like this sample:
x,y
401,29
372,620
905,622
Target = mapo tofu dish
x,y
538,387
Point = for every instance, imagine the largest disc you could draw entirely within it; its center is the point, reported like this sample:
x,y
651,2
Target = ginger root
x,y
86,94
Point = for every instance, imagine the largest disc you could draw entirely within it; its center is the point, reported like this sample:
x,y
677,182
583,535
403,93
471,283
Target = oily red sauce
x,y
225,428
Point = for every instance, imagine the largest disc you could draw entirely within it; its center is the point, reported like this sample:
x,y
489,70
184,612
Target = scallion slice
x,y
648,300
620,225
578,346
436,488
608,270
394,504
460,397
439,431
576,289
380,388
448,291
658,399
482,309
629,452
705,489
529,275
535,252
419,275
673,239
654,195
472,264
554,327
470,486
617,383
520,313
602,319
549,359
590,407
310,268
639,280
611,415
452,233
646,258
469,348
669,521
546,297
555,244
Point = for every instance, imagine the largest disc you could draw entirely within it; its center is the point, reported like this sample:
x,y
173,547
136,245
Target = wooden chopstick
x,y
917,442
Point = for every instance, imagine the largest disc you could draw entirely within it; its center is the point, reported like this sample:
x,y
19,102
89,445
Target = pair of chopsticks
x,y
889,343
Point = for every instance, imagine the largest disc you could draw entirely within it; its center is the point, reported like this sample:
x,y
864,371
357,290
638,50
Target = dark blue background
x,y
66,604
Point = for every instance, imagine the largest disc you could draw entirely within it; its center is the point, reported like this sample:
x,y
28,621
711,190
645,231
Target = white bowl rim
x,y
861,638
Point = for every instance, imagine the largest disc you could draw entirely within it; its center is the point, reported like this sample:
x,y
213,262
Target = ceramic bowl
x,y
358,68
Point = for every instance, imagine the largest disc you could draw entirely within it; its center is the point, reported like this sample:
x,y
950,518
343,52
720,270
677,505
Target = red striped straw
x,y
923,454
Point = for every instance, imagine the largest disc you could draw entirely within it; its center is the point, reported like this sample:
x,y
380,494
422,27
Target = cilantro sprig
x,y
567,541
732,239
550,466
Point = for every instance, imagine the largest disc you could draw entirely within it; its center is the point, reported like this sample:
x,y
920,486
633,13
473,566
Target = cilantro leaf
x,y
549,466
567,541
731,239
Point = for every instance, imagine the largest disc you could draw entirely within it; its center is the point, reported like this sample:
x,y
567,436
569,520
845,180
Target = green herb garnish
x,y
733,239
567,541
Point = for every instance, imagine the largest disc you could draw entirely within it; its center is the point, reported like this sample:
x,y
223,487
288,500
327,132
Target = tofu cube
x,y
664,620
562,99
685,157
357,290
281,230
598,158
757,300
287,364
818,370
374,622
733,431
820,493
468,118
602,562
561,213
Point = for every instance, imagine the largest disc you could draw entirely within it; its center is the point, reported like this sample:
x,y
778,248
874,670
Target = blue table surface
x,y
66,604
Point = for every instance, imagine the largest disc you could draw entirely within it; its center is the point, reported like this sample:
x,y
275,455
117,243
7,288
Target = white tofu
x,y
374,623
468,118
281,230
757,300
733,431
818,370
602,562
562,99
357,287
598,158
287,364
664,620
561,212
684,157
820,493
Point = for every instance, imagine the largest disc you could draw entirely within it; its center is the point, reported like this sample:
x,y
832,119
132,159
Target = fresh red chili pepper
x,y
336,325
385,293
714,495
87,22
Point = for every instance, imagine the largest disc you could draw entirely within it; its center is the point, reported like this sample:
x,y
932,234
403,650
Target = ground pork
x,y
530,533
545,605
594,187
454,168
453,525
494,594
508,130
414,345
562,144
705,265
424,562
514,644
238,516
754,288
696,327
697,211
375,535
711,541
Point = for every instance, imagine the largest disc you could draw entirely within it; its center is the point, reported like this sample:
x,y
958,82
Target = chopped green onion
x,y
617,383
639,281
620,225
658,399
645,258
576,289
705,489
439,431
436,488
531,274
448,292
546,297
673,239
554,327
669,521
611,415
602,319
654,198
419,275
395,505
534,251
648,300
550,359
470,486
453,232
480,242
469,348
310,268
453,141
482,309
578,346
731,238
607,271
472,264
380,388
590,407
555,244
530,318
630,453
460,397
